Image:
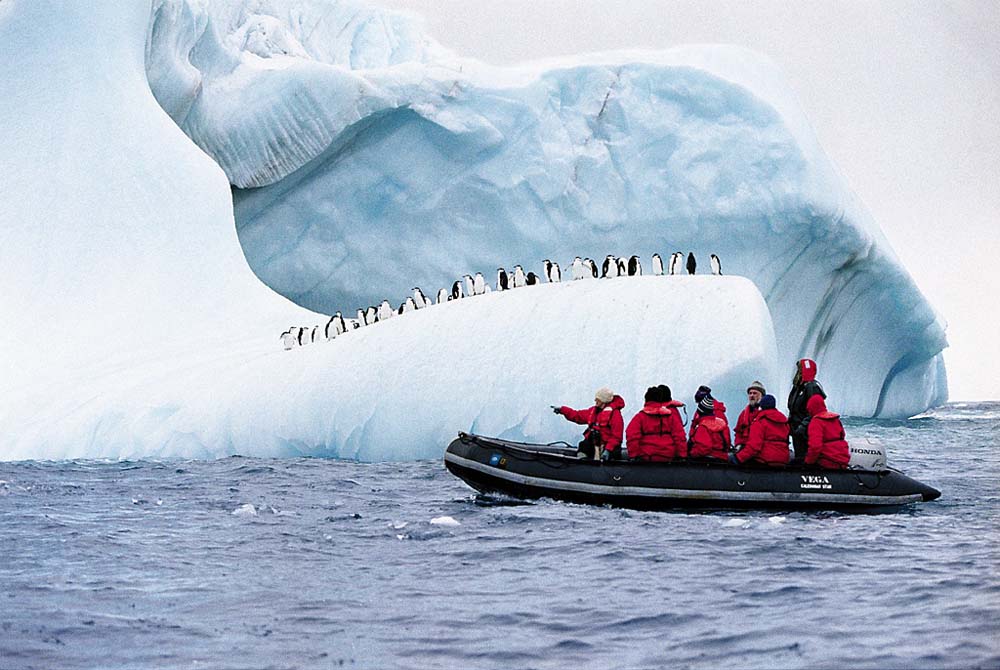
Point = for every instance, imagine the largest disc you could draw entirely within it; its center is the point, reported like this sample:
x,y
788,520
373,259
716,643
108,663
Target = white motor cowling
x,y
867,454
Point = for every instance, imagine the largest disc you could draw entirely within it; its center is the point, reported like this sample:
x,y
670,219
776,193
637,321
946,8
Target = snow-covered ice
x,y
367,160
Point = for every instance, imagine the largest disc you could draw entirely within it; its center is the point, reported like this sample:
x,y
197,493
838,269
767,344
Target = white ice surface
x,y
495,365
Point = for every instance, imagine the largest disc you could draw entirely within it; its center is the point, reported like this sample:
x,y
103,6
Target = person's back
x,y
804,387
709,433
827,446
655,433
767,442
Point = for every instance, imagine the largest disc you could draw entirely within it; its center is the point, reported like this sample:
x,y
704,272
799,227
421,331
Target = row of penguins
x,y
471,285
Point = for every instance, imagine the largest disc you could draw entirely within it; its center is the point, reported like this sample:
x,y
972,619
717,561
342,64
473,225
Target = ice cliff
x,y
365,159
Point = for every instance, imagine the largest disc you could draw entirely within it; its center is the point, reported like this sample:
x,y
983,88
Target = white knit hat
x,y
604,394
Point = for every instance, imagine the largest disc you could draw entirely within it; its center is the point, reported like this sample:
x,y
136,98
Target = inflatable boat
x,y
530,471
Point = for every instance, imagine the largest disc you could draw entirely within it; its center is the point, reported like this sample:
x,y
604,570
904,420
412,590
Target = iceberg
x,y
161,154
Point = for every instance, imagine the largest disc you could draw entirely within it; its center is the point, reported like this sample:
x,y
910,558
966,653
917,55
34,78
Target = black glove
x,y
556,410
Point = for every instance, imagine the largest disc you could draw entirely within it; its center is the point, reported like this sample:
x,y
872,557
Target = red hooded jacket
x,y
742,432
710,437
608,421
768,439
720,411
827,446
656,433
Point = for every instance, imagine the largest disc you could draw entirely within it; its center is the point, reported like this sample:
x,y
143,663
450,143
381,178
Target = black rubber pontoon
x,y
530,471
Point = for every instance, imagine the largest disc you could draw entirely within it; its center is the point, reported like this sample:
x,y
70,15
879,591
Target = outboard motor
x,y
867,454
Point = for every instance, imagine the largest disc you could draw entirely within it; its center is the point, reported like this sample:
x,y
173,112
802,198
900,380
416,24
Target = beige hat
x,y
604,394
758,386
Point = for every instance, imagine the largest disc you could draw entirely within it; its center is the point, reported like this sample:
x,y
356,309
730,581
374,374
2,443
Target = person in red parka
x,y
656,433
719,409
741,433
604,425
768,440
827,446
709,433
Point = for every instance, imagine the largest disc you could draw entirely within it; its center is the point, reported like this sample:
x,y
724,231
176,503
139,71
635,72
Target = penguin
x,y
371,315
622,267
519,278
361,318
577,269
443,296
299,334
409,305
354,324
287,339
339,326
479,284
470,288
716,264
555,276
502,280
634,266
384,310
675,262
592,265
657,265
328,330
547,269
531,279
419,299
456,290
609,269
312,336
691,263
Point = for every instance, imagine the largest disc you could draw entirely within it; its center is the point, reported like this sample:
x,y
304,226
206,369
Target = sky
x,y
903,95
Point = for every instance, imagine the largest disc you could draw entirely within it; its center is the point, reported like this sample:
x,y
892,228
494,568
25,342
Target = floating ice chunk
x,y
777,519
736,523
246,509
444,521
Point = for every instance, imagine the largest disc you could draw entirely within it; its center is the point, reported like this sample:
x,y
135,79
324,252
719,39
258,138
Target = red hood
x,y
816,406
807,367
656,408
616,403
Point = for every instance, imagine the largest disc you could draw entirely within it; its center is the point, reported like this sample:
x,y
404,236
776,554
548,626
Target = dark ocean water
x,y
338,564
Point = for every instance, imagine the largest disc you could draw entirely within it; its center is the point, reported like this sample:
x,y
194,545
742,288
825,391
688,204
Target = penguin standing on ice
x,y
555,275
419,299
371,315
361,318
519,278
503,281
312,335
470,289
588,262
531,279
409,305
443,296
634,266
384,310
716,264
675,262
622,267
328,330
339,326
300,336
691,264
456,290
547,269
657,265
478,284
577,269
287,339
609,270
